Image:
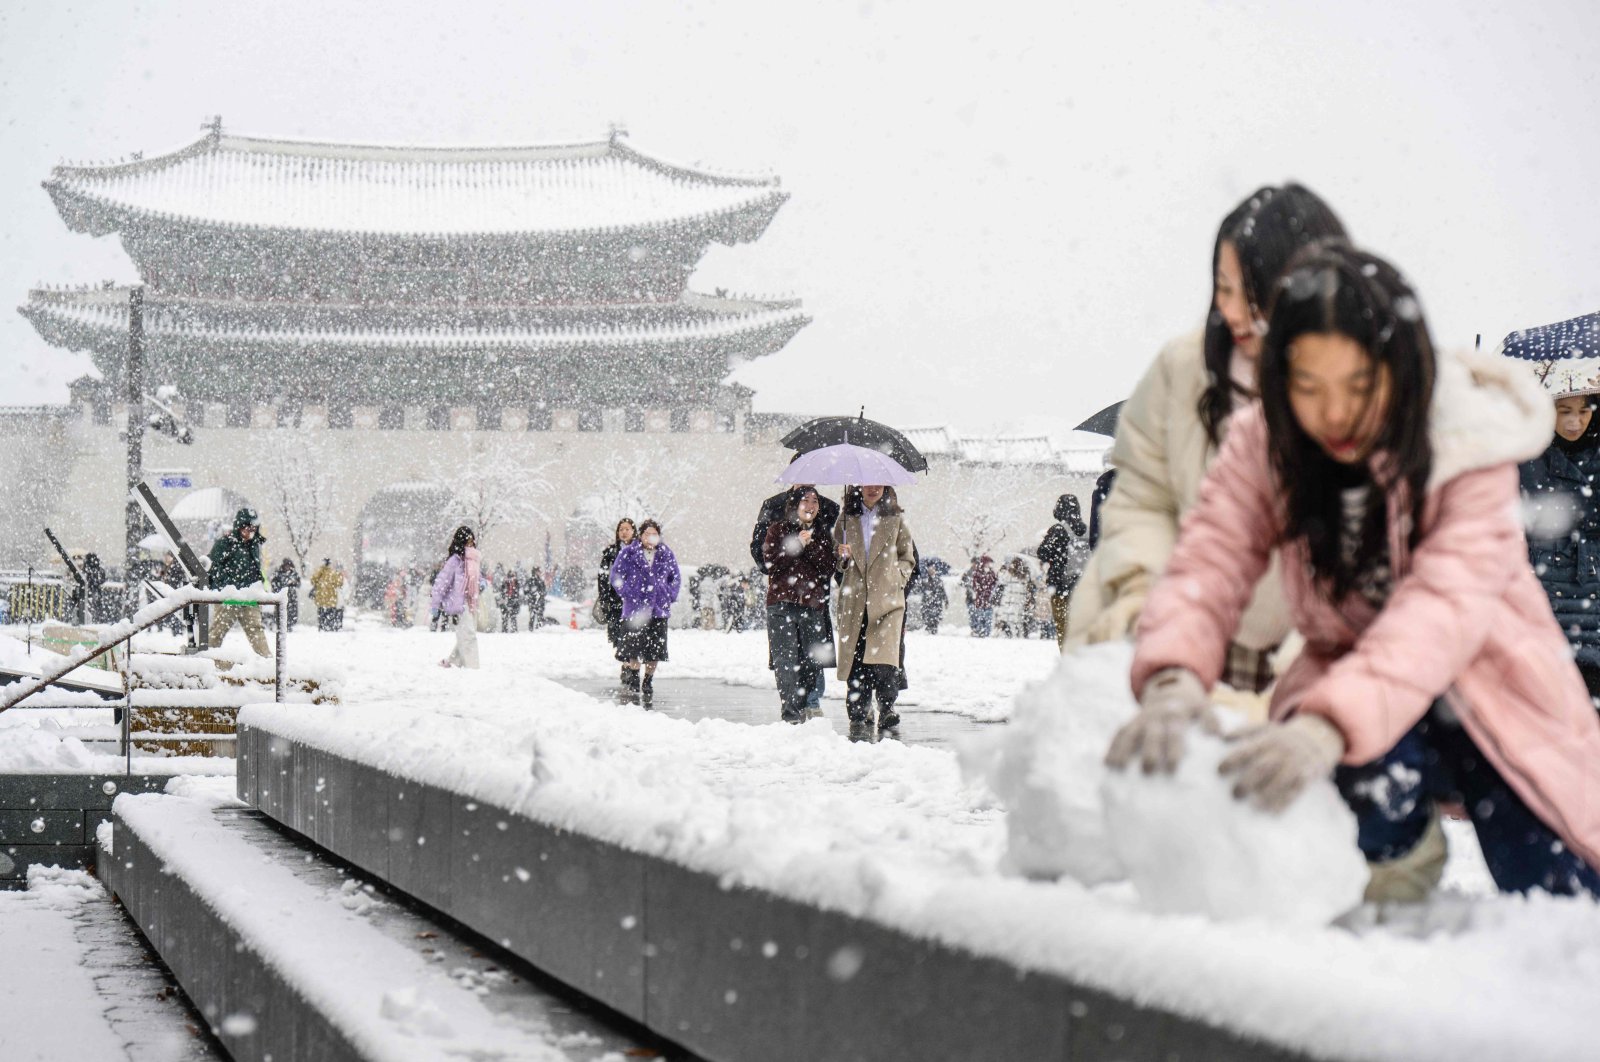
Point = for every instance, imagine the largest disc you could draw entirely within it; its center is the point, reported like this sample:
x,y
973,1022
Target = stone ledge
x,y
730,973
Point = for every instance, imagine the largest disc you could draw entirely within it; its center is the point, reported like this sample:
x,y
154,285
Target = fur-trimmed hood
x,y
1485,411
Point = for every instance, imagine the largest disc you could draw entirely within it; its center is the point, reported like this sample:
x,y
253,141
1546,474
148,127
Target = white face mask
x,y
651,540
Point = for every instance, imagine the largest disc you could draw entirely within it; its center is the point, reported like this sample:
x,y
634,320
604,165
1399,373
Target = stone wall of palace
x,y
705,484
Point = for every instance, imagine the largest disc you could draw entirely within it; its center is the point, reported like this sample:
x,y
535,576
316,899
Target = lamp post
x,y
134,382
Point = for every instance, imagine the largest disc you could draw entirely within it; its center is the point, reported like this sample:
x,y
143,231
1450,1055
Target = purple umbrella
x,y
846,464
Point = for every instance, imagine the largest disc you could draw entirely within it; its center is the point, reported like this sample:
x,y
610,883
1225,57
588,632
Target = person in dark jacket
x,y
610,600
934,598
772,511
534,592
1102,491
981,581
799,559
94,582
287,577
510,600
1063,553
1564,528
236,562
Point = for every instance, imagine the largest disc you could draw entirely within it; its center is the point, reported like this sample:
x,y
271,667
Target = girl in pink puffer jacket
x,y
1433,669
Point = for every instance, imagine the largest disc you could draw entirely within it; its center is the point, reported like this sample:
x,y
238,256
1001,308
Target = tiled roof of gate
x,y
97,318
247,182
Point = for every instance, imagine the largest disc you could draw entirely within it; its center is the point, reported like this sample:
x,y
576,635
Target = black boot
x,y
629,693
888,719
647,691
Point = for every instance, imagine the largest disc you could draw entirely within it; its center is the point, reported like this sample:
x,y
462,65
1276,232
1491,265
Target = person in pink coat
x,y
1433,670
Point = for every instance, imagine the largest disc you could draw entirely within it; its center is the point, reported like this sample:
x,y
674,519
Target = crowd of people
x,y
1312,515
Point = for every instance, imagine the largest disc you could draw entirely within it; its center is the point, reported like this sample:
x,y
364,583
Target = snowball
x,y
1190,847
1046,766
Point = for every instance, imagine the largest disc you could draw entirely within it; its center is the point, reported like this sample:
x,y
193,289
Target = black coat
x,y
1560,487
1063,555
610,600
772,511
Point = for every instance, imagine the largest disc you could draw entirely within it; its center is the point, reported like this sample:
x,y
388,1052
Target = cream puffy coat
x,y
877,585
1161,456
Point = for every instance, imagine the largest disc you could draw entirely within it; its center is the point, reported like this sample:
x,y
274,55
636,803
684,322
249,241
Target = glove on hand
x,y
1172,701
1275,761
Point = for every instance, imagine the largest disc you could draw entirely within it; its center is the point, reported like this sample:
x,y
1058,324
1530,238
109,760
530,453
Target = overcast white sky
x,y
1000,211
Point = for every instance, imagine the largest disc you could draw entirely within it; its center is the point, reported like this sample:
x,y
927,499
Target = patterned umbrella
x,y
1565,356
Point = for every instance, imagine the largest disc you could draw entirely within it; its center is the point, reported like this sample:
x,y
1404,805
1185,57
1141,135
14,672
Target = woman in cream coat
x,y
1172,425
876,560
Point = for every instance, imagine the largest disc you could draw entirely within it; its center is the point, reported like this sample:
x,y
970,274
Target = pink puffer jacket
x,y
1467,619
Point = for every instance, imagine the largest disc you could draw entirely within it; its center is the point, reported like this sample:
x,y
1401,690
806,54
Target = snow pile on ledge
x,y
1183,841
1189,847
891,833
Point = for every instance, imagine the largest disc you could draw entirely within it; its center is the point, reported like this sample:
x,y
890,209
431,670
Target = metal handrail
x,y
148,617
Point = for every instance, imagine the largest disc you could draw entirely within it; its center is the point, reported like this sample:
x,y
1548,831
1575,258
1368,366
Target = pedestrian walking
x,y
94,584
935,599
1563,525
606,594
646,577
510,600
1170,428
1063,552
326,583
1015,599
534,594
286,578
455,597
876,562
980,582
799,560
773,510
236,562
1385,475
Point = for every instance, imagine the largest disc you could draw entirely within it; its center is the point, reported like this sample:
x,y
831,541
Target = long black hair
x,y
1332,288
855,505
1266,230
460,540
1067,512
616,532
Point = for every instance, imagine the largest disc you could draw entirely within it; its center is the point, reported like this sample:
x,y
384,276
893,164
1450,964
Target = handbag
x,y
599,612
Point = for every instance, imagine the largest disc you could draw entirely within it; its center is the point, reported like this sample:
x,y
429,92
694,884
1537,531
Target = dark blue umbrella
x,y
1577,338
935,565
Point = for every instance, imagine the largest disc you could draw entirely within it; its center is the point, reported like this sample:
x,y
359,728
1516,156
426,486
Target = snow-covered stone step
x,y
288,956
729,972
80,984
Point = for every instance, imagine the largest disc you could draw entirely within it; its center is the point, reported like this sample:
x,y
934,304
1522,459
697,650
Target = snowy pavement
x,y
79,983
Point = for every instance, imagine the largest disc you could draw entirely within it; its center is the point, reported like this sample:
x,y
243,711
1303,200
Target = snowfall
x,y
1019,844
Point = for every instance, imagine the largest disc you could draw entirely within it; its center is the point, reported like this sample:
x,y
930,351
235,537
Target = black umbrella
x,y
1103,422
1577,338
857,431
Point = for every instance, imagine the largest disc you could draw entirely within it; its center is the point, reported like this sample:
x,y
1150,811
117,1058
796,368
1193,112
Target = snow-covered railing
x,y
149,616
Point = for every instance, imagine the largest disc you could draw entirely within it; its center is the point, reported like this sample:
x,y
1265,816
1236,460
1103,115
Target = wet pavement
x,y
694,699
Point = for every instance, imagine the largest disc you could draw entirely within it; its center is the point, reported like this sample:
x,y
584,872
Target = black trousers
x,y
869,679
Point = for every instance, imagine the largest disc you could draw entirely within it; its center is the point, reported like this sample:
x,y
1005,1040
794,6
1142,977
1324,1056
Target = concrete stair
x,y
290,955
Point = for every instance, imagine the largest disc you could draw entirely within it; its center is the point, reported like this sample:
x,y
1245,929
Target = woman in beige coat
x,y
1171,427
875,561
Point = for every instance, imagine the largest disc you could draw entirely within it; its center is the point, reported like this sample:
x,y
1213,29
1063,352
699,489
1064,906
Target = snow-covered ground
x,y
901,835
75,983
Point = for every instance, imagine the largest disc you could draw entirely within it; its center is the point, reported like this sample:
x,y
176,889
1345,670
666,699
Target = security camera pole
x,y
135,385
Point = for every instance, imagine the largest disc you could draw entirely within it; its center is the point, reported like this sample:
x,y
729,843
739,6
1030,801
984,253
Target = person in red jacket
x,y
799,558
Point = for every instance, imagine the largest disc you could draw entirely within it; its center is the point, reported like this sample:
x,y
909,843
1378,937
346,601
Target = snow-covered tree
x,y
999,503
300,487
495,484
